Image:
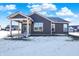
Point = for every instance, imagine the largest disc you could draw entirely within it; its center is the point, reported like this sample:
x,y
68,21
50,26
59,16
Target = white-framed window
x,y
65,29
53,27
38,26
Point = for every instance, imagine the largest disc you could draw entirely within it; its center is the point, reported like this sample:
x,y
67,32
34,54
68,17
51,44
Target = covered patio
x,y
20,18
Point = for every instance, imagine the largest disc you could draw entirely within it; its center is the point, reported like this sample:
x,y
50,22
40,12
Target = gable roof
x,y
17,15
52,19
35,13
58,20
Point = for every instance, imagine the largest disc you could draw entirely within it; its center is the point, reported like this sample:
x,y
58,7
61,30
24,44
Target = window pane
x,y
65,27
38,26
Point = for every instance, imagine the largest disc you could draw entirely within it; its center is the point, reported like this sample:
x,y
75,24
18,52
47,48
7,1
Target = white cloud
x,y
42,7
49,6
9,12
1,7
66,12
68,19
7,7
46,14
73,20
10,7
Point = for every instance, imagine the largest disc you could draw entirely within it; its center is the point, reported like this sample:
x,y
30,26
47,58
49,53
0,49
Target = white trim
x,y
18,29
14,14
10,28
51,28
27,28
19,19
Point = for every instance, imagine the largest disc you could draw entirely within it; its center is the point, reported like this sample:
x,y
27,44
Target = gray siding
x,y
59,28
46,25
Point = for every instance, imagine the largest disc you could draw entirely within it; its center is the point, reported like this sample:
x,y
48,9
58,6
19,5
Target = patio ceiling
x,y
23,21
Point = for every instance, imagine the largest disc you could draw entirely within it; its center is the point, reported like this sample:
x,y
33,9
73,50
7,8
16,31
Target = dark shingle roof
x,y
53,19
57,19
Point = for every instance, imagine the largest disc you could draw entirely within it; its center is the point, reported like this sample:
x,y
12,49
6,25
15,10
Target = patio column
x,y
27,28
18,29
51,28
67,28
10,28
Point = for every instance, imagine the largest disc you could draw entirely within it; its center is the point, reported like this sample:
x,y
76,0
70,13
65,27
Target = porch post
x,y
10,28
18,29
67,28
27,28
51,28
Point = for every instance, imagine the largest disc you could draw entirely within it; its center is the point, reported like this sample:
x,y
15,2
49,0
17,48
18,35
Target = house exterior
x,y
37,24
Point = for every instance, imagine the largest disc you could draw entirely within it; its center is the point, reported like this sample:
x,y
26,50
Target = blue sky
x,y
67,11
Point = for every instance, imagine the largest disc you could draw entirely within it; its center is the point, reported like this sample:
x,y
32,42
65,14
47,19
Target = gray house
x,y
37,24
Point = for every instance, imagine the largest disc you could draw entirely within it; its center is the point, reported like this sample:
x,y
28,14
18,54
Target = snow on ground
x,y
74,33
4,34
40,46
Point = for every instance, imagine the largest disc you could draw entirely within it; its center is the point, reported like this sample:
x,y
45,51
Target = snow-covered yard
x,y
41,46
74,34
4,34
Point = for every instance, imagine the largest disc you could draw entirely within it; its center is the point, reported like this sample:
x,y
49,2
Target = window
x,y
38,27
65,28
53,27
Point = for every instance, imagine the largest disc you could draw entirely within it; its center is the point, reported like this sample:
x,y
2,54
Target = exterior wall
x,y
59,29
46,25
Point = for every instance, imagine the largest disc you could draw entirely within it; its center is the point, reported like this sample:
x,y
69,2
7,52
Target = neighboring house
x,y
74,28
14,27
37,24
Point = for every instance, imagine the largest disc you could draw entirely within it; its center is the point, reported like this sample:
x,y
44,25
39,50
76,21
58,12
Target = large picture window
x,y
38,26
65,28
